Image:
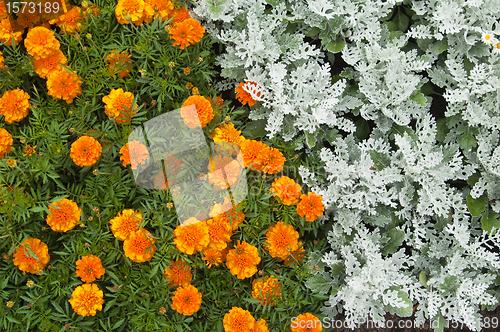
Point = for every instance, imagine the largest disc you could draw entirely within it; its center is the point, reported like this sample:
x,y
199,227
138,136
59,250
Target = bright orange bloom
x,y
201,115
250,149
31,256
242,260
64,85
124,223
50,64
224,171
227,133
238,320
154,8
29,151
63,215
134,153
86,299
267,290
295,257
219,232
212,256
286,189
270,160
119,63
85,151
89,268
6,142
6,33
116,102
178,273
14,105
185,33
179,15
41,42
260,326
243,96
186,300
71,21
311,206
191,236
130,10
282,239
306,323
139,246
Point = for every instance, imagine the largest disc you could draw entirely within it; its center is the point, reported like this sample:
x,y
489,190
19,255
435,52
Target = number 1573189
x,y
17,7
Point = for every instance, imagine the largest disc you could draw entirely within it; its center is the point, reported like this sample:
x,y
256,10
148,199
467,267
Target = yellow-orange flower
x,y
260,326
139,246
50,64
63,215
130,10
306,323
243,96
212,257
14,105
191,236
124,223
227,133
116,102
178,273
282,239
89,268
134,153
5,142
41,42
85,151
286,189
295,257
267,290
71,21
238,320
224,171
186,300
7,32
219,232
64,85
242,260
1,60
311,206
86,299
29,150
179,15
154,8
250,150
270,160
119,63
232,217
201,115
31,256
185,33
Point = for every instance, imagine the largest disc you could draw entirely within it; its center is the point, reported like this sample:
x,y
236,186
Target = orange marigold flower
x,y
29,151
212,256
232,217
31,256
178,273
270,160
130,10
227,133
6,142
202,114
306,323
14,105
41,42
124,223
260,326
245,97
64,85
139,246
238,320
179,15
86,299
250,150
116,102
282,239
7,32
311,206
219,232
71,21
242,260
50,64
85,151
185,33
267,290
119,63
134,153
224,171
286,189
186,300
161,8
295,257
63,215
89,268
191,236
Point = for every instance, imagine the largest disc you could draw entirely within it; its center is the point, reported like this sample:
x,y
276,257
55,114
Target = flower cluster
x,y
119,105
63,215
14,105
267,290
85,151
491,40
